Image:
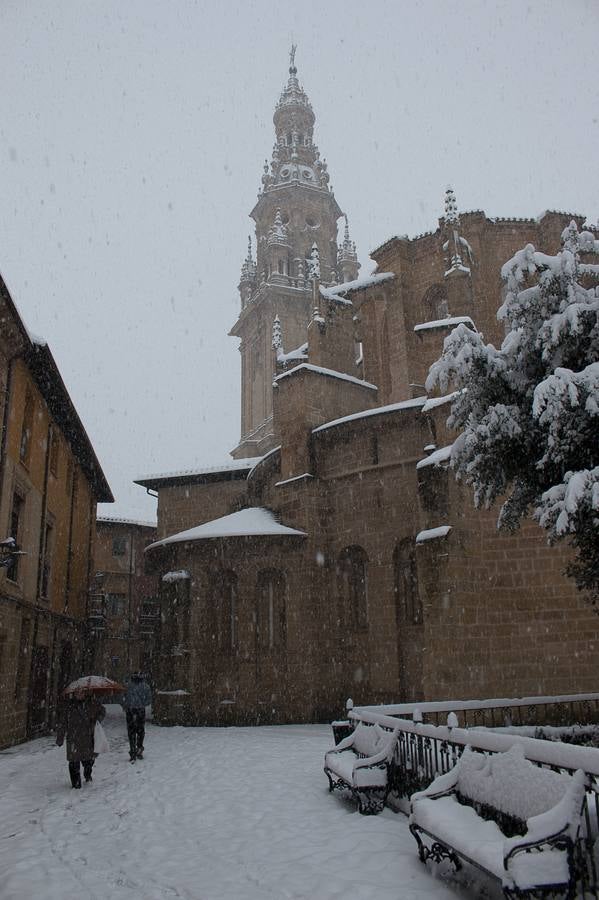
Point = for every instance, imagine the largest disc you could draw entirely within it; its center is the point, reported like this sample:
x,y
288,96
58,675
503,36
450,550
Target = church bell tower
x,y
296,220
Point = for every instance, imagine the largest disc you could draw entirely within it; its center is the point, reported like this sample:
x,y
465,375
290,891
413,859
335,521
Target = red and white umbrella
x,y
94,684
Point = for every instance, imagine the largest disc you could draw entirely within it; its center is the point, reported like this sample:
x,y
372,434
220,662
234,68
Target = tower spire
x,y
347,258
454,244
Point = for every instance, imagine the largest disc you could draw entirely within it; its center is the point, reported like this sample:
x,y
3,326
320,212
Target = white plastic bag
x,y
100,740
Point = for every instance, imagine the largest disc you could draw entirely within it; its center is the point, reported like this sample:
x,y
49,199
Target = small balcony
x,y
149,620
96,616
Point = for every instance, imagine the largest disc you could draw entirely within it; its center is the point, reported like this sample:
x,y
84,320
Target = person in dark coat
x,y
77,719
134,703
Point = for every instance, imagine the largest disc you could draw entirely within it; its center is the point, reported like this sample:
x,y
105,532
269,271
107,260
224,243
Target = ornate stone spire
x,y
247,281
347,258
295,157
278,232
455,245
451,207
314,262
277,339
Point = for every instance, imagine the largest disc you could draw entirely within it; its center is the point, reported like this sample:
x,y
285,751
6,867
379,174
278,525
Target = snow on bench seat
x,y
493,810
361,764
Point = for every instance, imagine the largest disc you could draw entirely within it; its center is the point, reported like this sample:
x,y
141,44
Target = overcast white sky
x,y
132,139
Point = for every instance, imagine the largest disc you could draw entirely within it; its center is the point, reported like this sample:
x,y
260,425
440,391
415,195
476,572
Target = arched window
x,y
352,575
223,606
271,612
407,596
435,303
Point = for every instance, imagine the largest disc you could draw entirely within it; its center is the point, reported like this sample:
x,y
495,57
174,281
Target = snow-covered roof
x,y
252,522
377,411
232,465
116,520
330,372
449,322
437,458
431,534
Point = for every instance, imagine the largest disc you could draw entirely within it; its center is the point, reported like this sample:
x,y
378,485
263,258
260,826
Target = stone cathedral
x,y
334,555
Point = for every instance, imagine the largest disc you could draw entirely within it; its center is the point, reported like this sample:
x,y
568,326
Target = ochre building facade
x,y
335,555
50,482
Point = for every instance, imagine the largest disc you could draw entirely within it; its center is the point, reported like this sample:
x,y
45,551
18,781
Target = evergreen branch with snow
x,y
528,413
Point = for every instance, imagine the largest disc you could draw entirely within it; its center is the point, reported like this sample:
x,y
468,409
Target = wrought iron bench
x,y
515,821
361,764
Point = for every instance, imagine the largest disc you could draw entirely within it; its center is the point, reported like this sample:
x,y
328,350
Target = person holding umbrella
x,y
77,719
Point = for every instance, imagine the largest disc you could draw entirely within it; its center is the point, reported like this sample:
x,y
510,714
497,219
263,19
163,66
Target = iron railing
x,y
424,751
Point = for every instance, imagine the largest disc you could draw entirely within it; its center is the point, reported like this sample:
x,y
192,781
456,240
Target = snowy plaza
x,y
209,814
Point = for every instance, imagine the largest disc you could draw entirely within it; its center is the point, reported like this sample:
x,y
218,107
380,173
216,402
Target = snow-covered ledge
x,y
178,575
431,534
449,322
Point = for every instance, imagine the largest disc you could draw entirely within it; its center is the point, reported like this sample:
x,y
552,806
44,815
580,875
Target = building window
x,y
26,429
407,595
47,560
271,610
115,605
16,524
54,450
119,546
352,575
435,303
223,610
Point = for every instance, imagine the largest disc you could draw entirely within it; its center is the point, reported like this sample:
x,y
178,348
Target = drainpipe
x,y
40,560
129,601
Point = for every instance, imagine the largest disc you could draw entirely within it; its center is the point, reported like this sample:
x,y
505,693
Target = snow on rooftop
x,y
252,522
431,534
232,465
330,372
377,411
116,520
437,458
449,322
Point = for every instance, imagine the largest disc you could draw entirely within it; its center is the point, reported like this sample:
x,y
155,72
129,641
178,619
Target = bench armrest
x,y
440,787
559,825
345,744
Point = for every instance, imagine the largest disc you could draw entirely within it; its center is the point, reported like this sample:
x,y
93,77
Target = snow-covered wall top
x,y
330,372
359,284
377,411
437,458
449,322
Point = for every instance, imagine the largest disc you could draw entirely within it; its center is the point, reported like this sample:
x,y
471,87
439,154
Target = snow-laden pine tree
x,y
528,413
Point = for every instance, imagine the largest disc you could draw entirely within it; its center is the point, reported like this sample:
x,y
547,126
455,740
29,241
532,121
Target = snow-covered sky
x,y
132,139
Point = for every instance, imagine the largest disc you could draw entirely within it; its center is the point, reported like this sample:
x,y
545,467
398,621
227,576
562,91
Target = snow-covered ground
x,y
209,814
